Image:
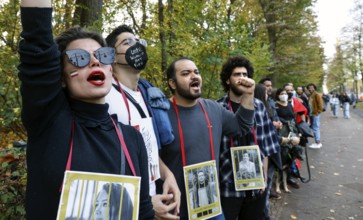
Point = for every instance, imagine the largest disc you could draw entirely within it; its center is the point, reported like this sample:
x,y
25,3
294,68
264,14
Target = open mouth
x,y
96,78
195,84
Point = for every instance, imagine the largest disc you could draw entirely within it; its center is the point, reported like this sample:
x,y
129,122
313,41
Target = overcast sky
x,y
332,16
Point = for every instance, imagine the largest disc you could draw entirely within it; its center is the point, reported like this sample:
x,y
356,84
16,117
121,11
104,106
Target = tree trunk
x,y
88,13
268,12
162,36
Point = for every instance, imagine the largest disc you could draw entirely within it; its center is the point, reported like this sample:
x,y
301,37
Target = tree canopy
x,y
278,36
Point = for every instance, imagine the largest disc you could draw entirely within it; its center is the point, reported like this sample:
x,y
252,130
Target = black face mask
x,y
136,56
289,95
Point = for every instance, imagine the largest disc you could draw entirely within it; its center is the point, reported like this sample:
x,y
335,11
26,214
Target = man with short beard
x,y
244,204
199,123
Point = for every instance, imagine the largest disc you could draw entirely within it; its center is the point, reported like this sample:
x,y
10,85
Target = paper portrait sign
x,y
202,190
247,168
145,127
99,196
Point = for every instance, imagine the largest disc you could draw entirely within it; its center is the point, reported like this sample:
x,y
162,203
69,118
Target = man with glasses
x,y
136,102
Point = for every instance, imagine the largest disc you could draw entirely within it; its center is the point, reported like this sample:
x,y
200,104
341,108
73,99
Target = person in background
x,y
269,89
286,113
303,98
300,115
299,109
275,164
198,123
274,159
353,99
345,101
316,103
335,105
331,94
325,101
138,103
64,84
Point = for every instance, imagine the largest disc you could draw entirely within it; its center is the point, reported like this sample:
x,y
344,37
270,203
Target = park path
x,y
335,191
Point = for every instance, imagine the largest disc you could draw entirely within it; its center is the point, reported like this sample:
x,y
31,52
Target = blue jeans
x,y
346,107
336,109
316,127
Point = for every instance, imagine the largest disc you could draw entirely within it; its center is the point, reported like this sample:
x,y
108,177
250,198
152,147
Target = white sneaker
x,y
315,146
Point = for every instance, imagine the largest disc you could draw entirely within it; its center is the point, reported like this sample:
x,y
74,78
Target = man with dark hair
x,y
303,98
199,123
267,82
274,159
238,203
136,102
316,104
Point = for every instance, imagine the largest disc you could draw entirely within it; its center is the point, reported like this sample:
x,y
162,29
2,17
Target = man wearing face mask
x,y
136,102
300,115
298,107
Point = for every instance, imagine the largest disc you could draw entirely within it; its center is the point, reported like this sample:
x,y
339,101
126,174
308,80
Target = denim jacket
x,y
158,105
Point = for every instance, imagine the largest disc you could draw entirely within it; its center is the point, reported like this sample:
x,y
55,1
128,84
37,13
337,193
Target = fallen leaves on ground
x,y
293,217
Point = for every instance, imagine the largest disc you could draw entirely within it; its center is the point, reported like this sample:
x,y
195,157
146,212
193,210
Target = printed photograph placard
x,y
202,190
99,196
247,168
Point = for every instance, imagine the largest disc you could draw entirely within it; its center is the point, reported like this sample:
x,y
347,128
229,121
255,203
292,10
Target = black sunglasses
x,y
81,57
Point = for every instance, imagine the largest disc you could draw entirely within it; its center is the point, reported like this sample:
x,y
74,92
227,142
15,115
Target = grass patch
x,y
359,105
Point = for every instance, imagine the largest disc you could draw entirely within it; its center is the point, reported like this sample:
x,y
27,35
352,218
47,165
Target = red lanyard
x,y
253,129
125,99
123,145
182,146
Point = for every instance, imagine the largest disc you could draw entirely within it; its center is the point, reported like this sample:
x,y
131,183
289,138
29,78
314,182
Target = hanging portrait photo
x,y
201,183
99,196
247,168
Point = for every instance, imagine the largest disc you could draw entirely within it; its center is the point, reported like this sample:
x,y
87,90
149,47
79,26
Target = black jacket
x,y
48,114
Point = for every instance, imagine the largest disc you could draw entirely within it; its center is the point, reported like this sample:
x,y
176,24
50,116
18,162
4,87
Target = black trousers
x,y
249,208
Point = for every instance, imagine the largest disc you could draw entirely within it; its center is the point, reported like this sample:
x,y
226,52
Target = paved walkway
x,y
335,191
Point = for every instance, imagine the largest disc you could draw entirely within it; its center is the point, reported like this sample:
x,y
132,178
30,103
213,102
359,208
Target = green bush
x,y
12,183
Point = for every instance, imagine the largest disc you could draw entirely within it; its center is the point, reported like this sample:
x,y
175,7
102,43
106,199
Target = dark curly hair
x,y
230,65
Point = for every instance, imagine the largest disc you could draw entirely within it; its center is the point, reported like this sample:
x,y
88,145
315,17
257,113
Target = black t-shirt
x,y
285,113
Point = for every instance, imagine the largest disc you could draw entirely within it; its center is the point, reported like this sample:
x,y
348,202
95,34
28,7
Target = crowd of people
x,y
86,108
341,101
